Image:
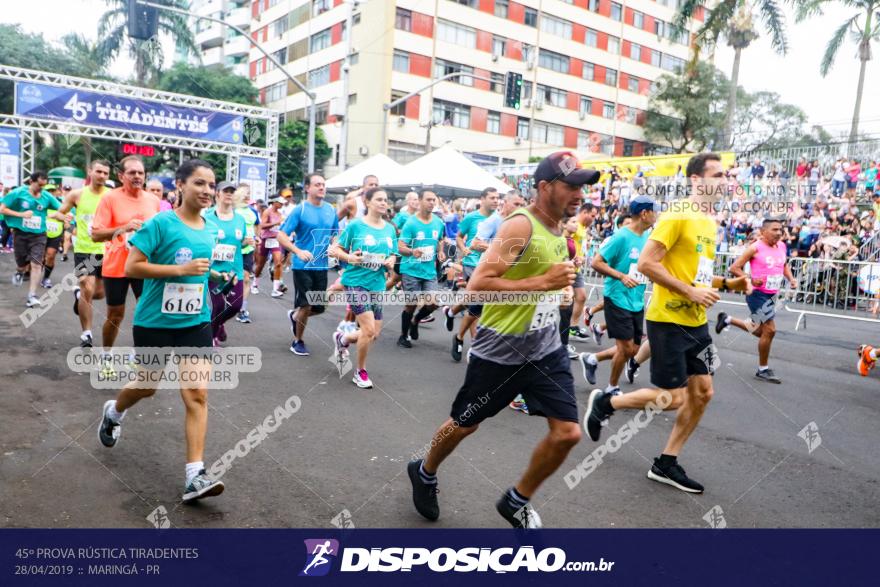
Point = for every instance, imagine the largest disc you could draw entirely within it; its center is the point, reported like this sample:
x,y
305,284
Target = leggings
x,y
225,307
565,323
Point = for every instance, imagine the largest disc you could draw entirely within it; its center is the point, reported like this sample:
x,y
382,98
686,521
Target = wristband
x,y
724,284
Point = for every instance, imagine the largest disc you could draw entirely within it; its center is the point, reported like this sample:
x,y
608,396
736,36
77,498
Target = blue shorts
x,y
361,300
762,306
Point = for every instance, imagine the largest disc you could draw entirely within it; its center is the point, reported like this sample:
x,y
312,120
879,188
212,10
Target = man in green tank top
x,y
87,254
518,349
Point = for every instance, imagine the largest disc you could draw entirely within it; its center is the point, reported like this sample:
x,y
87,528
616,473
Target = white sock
x,y
763,367
873,354
592,360
727,319
86,333
114,415
193,469
276,283
612,388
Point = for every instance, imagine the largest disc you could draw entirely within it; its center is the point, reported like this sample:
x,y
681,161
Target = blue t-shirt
x,y
174,302
417,234
228,250
314,227
21,200
451,222
621,252
489,227
376,244
468,230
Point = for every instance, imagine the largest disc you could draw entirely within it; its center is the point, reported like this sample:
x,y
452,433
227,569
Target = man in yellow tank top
x,y
87,254
517,349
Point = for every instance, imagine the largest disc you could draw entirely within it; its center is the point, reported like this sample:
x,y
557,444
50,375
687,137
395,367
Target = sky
x,y
827,101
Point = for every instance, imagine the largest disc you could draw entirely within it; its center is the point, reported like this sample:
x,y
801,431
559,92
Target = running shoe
x,y
298,348
721,325
362,379
414,330
632,370
17,279
108,431
221,333
589,369
202,486
244,317
596,417
675,476
46,283
33,300
424,494
76,291
450,319
64,258
457,348
427,320
866,361
340,350
85,341
277,293
525,517
292,320
767,375
403,342
282,288
519,404
572,352
588,318
578,333
255,289
613,389
215,342
597,333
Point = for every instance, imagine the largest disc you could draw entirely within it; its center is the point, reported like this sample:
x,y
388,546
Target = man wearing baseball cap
x,y
517,349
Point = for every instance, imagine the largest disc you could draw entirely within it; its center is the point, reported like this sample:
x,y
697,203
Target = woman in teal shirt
x,y
172,254
369,246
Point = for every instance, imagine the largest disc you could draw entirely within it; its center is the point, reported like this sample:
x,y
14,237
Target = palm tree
x,y
862,35
86,53
733,19
147,55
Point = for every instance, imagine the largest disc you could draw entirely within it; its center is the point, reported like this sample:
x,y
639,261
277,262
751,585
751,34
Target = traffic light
x,y
143,21
513,90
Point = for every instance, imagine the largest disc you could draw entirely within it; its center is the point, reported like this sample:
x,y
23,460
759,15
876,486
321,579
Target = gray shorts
x,y
29,247
467,271
412,283
579,279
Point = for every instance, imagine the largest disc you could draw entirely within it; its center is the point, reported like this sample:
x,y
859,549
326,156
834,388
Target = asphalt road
x,y
346,448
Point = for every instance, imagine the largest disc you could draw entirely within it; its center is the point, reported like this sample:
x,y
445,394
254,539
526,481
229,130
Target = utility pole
x,y
312,96
346,78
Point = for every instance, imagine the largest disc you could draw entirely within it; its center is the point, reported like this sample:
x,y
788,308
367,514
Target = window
x,y
443,67
276,92
556,26
584,142
608,110
607,145
471,3
616,11
319,41
550,134
522,128
638,19
279,27
613,45
655,57
632,84
527,91
591,39
501,7
611,77
554,61
589,71
635,52
401,61
457,115
456,34
403,19
594,5
281,56
352,99
397,109
353,59
298,16
527,53
670,63
493,123
319,6
531,18
628,147
318,77
499,45
586,106
497,84
552,96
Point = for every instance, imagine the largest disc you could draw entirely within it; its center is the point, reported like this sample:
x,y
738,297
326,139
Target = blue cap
x,y
640,203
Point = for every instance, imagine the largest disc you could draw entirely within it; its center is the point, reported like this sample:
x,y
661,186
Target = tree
x,y
147,55
763,122
862,34
733,20
293,151
685,110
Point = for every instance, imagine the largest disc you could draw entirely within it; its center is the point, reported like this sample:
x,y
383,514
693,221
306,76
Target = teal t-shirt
x,y
467,228
174,302
376,244
400,219
250,220
228,250
417,234
621,251
21,200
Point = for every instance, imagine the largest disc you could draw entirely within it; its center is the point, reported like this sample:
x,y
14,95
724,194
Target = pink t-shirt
x,y
768,264
164,205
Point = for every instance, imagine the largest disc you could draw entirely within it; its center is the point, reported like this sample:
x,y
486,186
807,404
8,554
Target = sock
x,y
666,461
405,323
86,333
592,360
604,402
244,306
276,283
612,388
47,271
873,354
424,312
763,367
114,415
727,319
76,293
193,469
515,499
429,478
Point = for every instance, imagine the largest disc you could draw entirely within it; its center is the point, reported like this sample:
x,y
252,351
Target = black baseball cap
x,y
564,166
640,203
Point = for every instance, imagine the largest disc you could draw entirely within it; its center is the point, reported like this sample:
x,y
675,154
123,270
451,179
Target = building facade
x,y
221,45
587,66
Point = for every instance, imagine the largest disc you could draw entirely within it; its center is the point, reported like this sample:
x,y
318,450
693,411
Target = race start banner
x,y
255,173
75,106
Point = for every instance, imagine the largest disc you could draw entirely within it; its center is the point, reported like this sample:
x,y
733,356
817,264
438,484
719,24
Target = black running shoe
x,y
414,329
596,415
457,348
403,342
76,301
524,517
85,341
675,476
722,323
768,375
424,494
589,369
450,319
108,431
632,370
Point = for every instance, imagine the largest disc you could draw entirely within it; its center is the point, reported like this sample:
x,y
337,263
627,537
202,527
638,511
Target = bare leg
x,y
444,442
115,314
549,454
698,395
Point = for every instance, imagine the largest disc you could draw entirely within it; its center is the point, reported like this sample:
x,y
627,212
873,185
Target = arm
x,y
651,267
6,211
600,266
737,268
138,267
71,200
404,249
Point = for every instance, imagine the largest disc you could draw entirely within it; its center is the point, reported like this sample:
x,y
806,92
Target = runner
x,y
517,348
270,248
312,224
624,293
585,218
369,246
118,215
354,205
252,227
679,259
421,242
171,255
227,259
467,231
54,239
399,220
768,263
88,255
26,210
867,359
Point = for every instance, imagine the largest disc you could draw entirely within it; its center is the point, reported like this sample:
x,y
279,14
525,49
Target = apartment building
x,y
222,45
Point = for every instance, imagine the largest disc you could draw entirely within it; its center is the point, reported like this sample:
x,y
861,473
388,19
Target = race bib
x,y
53,226
183,298
223,253
774,282
546,315
272,243
635,275
704,272
373,261
427,253
34,222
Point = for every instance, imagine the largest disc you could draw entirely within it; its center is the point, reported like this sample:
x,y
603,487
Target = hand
x,y
567,296
133,225
28,214
559,275
248,242
356,258
195,267
441,256
304,256
465,252
389,262
629,281
793,283
417,253
703,296
757,282
578,262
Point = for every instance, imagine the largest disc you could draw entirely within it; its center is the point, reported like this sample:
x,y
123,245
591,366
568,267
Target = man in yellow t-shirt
x,y
586,215
679,259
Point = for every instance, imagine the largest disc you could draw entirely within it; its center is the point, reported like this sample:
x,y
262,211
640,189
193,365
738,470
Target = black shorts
x,y
87,265
306,280
247,260
117,289
54,242
397,265
547,386
677,352
29,247
474,309
623,324
198,336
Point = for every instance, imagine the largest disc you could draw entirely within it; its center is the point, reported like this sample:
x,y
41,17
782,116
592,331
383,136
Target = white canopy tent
x,y
379,165
447,172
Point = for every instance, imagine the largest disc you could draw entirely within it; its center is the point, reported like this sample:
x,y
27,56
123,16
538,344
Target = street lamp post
x,y
312,96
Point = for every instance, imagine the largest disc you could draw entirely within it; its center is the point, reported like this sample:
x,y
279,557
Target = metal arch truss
x,y
28,126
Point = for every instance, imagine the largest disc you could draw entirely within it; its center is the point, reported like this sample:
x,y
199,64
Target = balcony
x,y
211,36
240,69
240,17
236,46
213,56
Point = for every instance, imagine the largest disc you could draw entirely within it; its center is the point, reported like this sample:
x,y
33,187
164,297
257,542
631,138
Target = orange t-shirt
x,y
117,209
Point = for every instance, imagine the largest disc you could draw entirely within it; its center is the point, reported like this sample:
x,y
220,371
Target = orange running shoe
x,y
866,362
